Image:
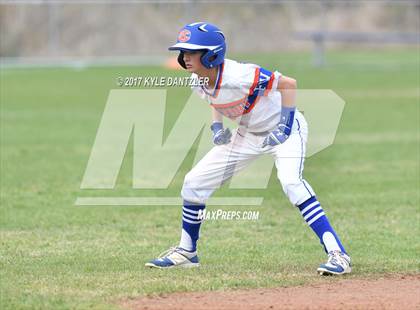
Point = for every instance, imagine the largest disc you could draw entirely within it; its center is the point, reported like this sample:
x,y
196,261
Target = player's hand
x,y
284,128
220,135
277,136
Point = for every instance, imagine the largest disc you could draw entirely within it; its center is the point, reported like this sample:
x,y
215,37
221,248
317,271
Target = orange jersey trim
x,y
238,107
254,84
219,82
235,108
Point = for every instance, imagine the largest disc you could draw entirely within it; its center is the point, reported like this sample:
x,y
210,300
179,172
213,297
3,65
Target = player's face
x,y
192,61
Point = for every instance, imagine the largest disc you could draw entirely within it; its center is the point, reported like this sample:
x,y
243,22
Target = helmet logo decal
x,y
184,35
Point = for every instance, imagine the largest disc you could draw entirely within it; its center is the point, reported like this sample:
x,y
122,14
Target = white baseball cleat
x,y
175,257
338,263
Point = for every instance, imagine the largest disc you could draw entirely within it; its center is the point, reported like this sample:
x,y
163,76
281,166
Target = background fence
x,y
50,31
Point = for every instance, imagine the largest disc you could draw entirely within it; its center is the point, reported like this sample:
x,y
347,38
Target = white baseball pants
x,y
223,161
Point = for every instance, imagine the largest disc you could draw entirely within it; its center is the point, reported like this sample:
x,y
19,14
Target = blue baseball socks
x,y
311,211
314,215
192,216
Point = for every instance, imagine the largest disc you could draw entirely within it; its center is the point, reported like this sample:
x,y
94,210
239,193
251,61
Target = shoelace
x,y
335,258
168,252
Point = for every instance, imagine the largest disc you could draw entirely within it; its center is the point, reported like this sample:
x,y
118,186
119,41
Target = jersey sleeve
x,y
277,76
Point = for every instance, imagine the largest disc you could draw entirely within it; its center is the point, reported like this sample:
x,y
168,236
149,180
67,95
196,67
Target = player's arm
x,y
287,87
220,135
217,116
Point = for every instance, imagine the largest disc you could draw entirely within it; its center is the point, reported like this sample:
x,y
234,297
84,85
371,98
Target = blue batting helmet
x,y
201,37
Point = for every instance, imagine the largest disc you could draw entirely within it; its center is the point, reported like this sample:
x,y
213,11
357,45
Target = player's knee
x,y
297,191
288,180
190,191
290,188
190,180
293,187
188,177
294,192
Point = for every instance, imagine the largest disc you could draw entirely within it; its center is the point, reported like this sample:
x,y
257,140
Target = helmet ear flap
x,y
181,60
205,59
208,59
213,58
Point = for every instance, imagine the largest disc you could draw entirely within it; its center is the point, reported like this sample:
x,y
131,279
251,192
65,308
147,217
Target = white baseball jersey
x,y
245,93
248,94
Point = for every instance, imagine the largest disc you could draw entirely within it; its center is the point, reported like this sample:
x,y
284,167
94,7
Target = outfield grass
x,y
56,255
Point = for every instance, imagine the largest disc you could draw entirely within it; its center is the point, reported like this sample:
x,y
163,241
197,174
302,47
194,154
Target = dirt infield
x,y
389,292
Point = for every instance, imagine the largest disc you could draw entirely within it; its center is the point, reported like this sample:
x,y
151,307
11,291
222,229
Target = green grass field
x,y
55,255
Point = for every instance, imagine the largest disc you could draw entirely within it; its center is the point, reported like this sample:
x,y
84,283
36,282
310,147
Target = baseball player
x,y
262,103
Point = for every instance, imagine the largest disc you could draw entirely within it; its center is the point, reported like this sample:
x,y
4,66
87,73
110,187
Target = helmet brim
x,y
190,47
